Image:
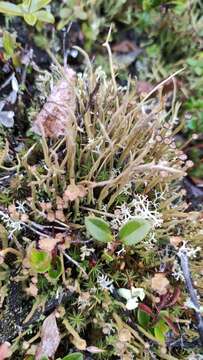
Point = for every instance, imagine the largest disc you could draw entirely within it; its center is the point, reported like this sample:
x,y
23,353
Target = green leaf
x,y
10,9
9,44
26,4
38,4
143,318
40,261
74,356
30,19
45,16
99,229
134,231
160,330
55,270
150,4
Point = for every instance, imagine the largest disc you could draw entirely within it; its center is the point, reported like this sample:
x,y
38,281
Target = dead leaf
x,y
143,87
160,283
176,240
50,338
5,350
124,46
48,243
124,335
32,290
74,192
58,109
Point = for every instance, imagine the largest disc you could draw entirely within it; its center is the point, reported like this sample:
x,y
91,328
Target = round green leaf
x,y
99,229
30,19
134,231
55,270
40,261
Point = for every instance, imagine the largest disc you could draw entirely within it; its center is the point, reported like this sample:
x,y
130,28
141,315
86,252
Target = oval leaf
x,y
50,339
40,261
134,231
55,270
30,19
98,228
143,318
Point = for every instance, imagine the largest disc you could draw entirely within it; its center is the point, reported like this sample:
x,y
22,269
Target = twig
x,y
104,213
192,292
107,46
75,263
161,84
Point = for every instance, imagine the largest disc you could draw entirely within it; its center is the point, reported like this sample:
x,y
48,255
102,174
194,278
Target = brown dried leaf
x,y
74,192
52,120
32,290
48,243
176,240
5,350
124,46
160,283
124,335
143,87
50,338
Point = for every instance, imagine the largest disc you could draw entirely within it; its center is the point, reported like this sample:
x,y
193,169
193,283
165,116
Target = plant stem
x,y
192,292
75,263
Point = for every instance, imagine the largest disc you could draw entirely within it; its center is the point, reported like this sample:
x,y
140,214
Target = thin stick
x,y
192,292
161,84
107,46
98,212
75,263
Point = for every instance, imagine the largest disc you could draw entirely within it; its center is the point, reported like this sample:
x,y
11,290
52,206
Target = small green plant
x,y
40,261
31,11
130,234
55,270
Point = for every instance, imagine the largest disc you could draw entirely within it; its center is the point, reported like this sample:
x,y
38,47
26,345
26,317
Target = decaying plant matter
x,y
102,153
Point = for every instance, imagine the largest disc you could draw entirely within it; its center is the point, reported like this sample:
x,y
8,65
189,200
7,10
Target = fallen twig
x,y
182,254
